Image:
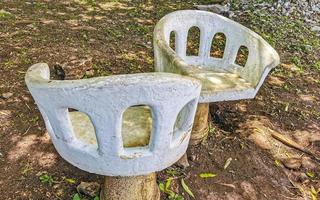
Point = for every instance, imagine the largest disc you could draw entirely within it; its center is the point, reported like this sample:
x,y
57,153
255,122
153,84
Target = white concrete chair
x,y
124,125
222,79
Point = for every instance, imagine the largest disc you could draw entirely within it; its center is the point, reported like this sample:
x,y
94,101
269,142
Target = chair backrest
x,y
261,54
104,99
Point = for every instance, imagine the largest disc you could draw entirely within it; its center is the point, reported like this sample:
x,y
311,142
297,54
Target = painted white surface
x,y
221,79
104,99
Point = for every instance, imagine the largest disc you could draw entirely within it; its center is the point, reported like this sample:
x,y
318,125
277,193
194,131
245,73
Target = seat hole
x,y
136,126
82,126
172,40
72,110
193,42
218,45
183,122
242,56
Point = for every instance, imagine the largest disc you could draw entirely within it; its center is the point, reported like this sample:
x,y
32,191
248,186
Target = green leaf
x,y
310,174
168,183
76,197
5,14
167,188
96,198
70,180
277,163
314,196
226,165
161,187
175,197
186,188
207,175
211,128
172,172
314,193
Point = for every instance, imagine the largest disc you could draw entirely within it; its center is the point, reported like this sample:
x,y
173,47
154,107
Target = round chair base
x,y
130,188
200,126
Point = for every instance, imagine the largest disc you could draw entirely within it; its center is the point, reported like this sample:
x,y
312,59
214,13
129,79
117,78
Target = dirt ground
x,y
95,38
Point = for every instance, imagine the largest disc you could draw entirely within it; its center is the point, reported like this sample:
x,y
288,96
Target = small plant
x,y
76,197
166,188
34,119
211,128
91,3
317,65
172,172
4,15
26,170
46,179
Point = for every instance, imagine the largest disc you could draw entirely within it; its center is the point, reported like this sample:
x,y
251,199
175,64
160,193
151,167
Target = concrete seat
x,y
222,85
121,125
222,79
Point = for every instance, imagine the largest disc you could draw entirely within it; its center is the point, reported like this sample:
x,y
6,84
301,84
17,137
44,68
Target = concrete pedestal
x,y
200,126
130,188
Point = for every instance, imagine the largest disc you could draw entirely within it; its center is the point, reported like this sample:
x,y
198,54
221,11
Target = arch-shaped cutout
x,y
218,45
136,126
172,40
193,42
82,126
183,123
242,56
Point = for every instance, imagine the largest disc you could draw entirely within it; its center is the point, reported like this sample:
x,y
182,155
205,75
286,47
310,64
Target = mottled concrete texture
x,y
222,79
110,133
131,188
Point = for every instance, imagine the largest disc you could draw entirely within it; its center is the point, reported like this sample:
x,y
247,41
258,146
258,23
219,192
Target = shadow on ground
x,y
116,36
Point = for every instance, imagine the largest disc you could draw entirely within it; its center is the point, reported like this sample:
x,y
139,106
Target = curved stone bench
x,y
222,79
111,131
104,100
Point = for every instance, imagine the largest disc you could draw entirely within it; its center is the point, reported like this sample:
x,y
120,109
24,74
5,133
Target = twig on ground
x,y
287,141
227,185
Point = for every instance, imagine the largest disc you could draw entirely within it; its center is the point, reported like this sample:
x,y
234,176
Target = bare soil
x,y
115,37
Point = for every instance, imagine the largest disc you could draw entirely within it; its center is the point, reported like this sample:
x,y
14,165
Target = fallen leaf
x,y
161,187
70,180
277,163
310,174
207,175
314,193
226,165
186,188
